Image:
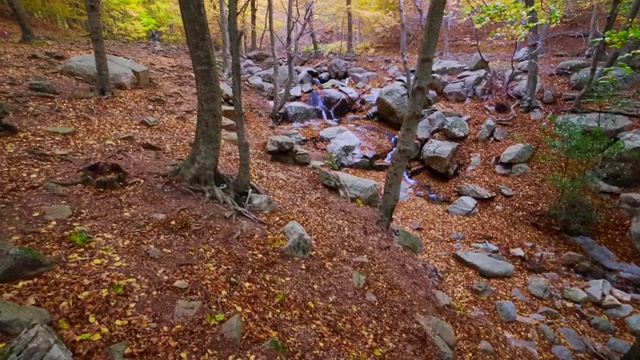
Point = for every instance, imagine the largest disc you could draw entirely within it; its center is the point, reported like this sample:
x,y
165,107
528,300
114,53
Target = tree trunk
x,y
224,32
264,31
276,65
423,19
241,183
530,101
597,53
447,26
634,352
95,32
201,166
593,26
254,19
314,39
633,13
418,95
25,27
349,29
403,44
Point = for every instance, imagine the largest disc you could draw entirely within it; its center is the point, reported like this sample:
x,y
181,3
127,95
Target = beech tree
x,y
403,43
417,97
254,19
97,40
349,28
530,102
629,21
224,34
25,27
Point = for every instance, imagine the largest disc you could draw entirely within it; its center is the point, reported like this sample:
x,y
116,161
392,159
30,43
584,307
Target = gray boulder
x,y
506,310
516,154
338,69
15,318
408,240
622,79
602,324
622,168
258,55
438,155
573,339
486,131
574,294
539,287
634,232
39,342
20,263
232,328
475,191
345,148
393,103
463,206
448,67
358,188
299,111
299,243
279,144
610,124
43,86
440,327
261,202
123,73
478,62
630,203
485,266
569,67
455,128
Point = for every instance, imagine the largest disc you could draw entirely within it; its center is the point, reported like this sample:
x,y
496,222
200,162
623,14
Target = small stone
x,y
571,258
618,345
486,348
154,253
149,121
538,317
573,339
621,295
548,334
633,324
486,266
62,130
442,299
619,312
186,309
500,134
486,246
408,240
359,279
57,212
539,287
440,327
602,325
562,352
370,297
181,284
506,310
610,302
116,351
232,328
482,288
299,243
574,294
519,169
549,312
517,252
361,259
516,293
525,320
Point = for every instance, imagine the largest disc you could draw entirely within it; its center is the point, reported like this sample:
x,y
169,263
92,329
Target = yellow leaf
x,y
92,319
184,355
63,324
15,238
104,330
238,308
96,337
2,345
96,262
119,263
311,305
377,352
83,295
35,214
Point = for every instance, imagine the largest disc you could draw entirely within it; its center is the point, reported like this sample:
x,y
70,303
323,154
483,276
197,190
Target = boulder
x,y
506,310
455,128
15,318
39,342
393,103
539,287
299,243
448,67
574,294
43,86
279,144
621,79
123,73
232,328
516,154
338,69
630,203
299,111
261,202
21,263
257,55
622,167
610,124
440,327
345,148
438,155
634,232
408,240
475,191
569,67
478,62
358,188
486,266
486,131
339,101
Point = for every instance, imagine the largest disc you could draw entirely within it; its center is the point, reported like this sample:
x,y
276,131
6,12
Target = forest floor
x,y
120,287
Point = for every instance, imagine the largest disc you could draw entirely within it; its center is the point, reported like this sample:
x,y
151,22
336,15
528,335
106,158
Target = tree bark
x,y
276,65
418,95
593,26
403,43
224,32
349,29
95,32
264,31
423,19
314,39
529,102
25,27
201,166
633,13
241,183
597,53
254,19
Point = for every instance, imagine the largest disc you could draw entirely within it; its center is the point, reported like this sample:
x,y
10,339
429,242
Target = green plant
x,y
80,236
333,163
214,319
276,345
117,289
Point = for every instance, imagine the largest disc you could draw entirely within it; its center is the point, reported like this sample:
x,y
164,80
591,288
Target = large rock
x,y
258,55
622,78
630,203
634,232
279,143
338,69
20,263
622,167
438,155
455,128
345,148
448,67
123,73
486,131
339,101
39,342
232,328
478,62
475,191
299,243
408,240
610,124
486,266
298,111
15,318
538,287
440,327
393,103
358,188
506,310
516,154
464,205
569,67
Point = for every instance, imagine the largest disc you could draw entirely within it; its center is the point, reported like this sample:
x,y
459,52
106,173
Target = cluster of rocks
x,y
513,160
123,73
579,71
285,149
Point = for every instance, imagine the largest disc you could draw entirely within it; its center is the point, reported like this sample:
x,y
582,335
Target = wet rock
x,y
486,131
573,339
484,265
610,124
455,128
506,310
185,310
617,345
440,327
39,342
408,240
574,294
602,324
299,243
539,287
516,154
548,334
562,352
619,312
15,318
299,111
358,188
232,328
339,100
438,155
475,191
463,206
633,324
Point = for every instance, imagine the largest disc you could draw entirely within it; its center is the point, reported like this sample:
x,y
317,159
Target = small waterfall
x,y
315,100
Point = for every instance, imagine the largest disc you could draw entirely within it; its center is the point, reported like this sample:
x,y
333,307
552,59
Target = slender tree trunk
x,y
418,95
447,20
530,101
423,19
276,65
314,39
201,166
631,16
593,26
264,31
349,28
241,183
254,19
291,71
634,351
403,43
95,32
597,53
25,27
224,32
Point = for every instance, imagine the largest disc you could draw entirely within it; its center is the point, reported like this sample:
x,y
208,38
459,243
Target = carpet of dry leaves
x,y
113,290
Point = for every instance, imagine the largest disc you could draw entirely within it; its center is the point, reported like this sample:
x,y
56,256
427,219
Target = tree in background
x,y
224,32
530,102
417,97
624,31
25,27
97,40
349,28
254,19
